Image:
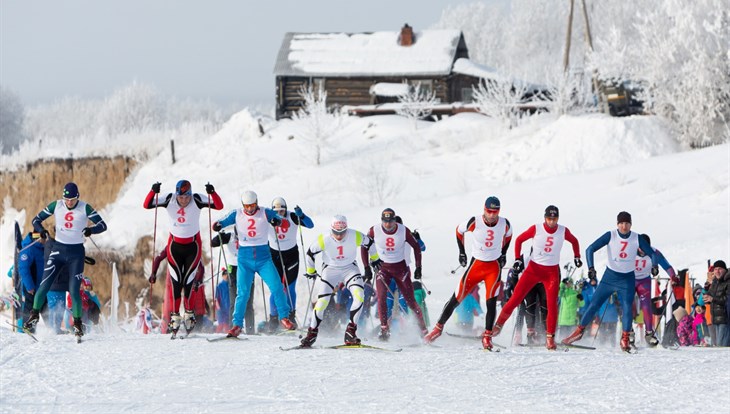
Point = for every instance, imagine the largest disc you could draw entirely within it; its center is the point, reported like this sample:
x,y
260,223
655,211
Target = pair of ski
x,y
343,346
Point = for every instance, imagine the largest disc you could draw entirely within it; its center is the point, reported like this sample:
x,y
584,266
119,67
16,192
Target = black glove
x,y
416,235
298,211
311,275
156,188
417,274
86,231
275,221
376,264
368,275
152,278
217,226
501,261
209,188
580,296
462,259
591,272
578,262
512,280
518,266
654,270
44,234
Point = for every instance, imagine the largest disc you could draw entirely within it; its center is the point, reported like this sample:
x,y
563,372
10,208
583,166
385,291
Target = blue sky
x,y
221,50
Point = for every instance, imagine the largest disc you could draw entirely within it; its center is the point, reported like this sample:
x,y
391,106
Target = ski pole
x,y
28,246
101,251
457,268
154,246
600,321
285,278
310,284
263,296
309,301
210,240
425,288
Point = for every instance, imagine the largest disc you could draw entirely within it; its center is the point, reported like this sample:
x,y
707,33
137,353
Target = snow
x,y
367,54
389,89
435,176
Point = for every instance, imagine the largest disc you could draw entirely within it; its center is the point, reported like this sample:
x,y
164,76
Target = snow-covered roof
x,y
389,89
367,54
467,67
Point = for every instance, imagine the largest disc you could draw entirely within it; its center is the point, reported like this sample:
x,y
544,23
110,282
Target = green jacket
x,y
569,304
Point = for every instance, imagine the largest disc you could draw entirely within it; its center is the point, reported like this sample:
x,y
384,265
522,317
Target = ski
x,y
363,346
491,350
299,347
221,338
479,337
591,348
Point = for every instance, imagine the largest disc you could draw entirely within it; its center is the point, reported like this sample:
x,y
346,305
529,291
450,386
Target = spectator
x,y
222,303
698,324
685,333
717,297
570,300
467,310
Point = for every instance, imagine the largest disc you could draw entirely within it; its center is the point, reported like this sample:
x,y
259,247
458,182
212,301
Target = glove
x,y
311,275
44,234
513,280
580,296
655,270
462,259
501,261
298,211
416,235
217,226
209,188
591,272
156,188
152,278
376,264
518,266
417,274
368,275
578,262
86,231
275,221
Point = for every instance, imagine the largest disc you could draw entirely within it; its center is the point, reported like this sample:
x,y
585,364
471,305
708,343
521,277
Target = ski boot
x,y
351,335
550,342
287,324
531,336
496,329
626,341
189,320
78,329
273,324
234,332
651,339
175,322
293,319
308,340
384,334
435,333
29,325
487,340
632,339
575,336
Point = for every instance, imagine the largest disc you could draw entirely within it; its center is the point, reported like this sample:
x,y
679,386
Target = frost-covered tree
x,y
134,108
499,99
416,104
12,114
318,124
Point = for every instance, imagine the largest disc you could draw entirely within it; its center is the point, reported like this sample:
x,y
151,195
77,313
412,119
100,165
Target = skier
x,y
231,241
339,252
30,270
418,290
253,226
184,246
543,267
643,287
491,236
622,247
389,239
168,301
71,216
284,251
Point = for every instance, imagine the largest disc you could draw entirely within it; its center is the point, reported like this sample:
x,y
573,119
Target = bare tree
x,y
499,99
416,104
318,123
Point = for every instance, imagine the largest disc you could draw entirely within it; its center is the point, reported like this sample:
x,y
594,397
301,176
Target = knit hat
x,y
623,217
720,264
679,313
70,191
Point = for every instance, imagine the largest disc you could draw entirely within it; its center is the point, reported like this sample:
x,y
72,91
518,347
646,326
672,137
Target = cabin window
x,y
467,95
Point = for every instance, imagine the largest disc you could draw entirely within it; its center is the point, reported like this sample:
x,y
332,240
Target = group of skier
x,y
264,241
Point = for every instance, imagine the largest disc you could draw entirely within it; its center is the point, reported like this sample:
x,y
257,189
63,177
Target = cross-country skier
x,y
184,246
339,253
418,290
284,248
389,261
543,267
169,298
253,226
642,271
491,236
622,248
72,216
231,241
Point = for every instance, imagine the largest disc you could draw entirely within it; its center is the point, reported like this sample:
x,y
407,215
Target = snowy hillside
x,y
435,176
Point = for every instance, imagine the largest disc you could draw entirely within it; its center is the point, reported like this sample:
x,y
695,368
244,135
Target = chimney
x,y
406,36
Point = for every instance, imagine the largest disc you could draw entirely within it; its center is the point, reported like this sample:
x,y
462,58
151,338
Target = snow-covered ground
x,y
435,176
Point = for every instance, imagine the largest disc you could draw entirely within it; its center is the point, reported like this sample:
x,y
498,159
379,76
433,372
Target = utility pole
x,y
566,53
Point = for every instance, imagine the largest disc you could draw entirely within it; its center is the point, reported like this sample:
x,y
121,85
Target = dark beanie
x,y
720,264
552,211
623,217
